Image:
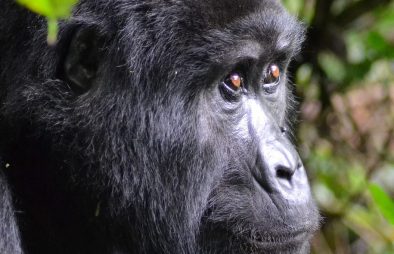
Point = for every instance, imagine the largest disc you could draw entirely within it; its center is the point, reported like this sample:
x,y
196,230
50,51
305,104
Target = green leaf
x,y
293,6
38,6
50,8
332,66
52,31
383,202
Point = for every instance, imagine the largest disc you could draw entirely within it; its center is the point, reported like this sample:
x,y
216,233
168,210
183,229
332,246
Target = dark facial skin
x,y
154,127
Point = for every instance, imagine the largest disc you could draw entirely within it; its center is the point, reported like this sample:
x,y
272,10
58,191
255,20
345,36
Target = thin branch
x,y
322,13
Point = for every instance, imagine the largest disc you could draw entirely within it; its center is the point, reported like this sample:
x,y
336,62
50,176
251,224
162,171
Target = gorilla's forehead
x,y
222,12
255,17
208,28
261,20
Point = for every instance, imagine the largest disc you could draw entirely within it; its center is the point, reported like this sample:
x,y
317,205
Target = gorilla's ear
x,y
83,59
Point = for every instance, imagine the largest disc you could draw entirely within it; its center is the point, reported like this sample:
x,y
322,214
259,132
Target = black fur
x,y
10,241
148,158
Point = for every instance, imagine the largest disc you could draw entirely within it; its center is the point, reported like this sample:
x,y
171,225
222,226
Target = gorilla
x,y
152,126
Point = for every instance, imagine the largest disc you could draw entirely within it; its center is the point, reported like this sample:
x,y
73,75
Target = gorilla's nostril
x,y
283,130
284,172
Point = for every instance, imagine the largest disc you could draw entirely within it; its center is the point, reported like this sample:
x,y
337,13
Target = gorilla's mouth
x,y
269,240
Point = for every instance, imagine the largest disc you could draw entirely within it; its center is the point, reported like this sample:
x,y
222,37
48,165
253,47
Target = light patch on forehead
x,y
283,42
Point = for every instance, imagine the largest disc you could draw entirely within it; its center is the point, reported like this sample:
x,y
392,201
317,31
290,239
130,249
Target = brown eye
x,y
272,75
232,86
271,79
234,81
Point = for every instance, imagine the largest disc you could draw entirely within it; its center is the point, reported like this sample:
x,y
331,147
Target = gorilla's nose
x,y
282,162
281,169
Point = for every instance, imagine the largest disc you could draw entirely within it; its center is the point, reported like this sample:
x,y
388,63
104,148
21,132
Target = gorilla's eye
x,y
234,81
271,78
232,86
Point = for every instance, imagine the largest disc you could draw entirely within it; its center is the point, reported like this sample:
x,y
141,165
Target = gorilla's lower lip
x,y
270,239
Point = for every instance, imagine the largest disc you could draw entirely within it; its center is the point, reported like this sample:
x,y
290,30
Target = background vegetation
x,y
345,82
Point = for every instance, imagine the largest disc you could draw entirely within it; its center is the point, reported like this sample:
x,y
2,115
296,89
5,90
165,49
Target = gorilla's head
x,y
173,116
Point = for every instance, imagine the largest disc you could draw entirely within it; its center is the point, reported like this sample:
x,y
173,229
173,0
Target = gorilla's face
x,y
176,114
261,200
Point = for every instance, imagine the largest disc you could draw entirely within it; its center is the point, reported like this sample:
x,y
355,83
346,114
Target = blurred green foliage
x,y
383,201
53,10
345,79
